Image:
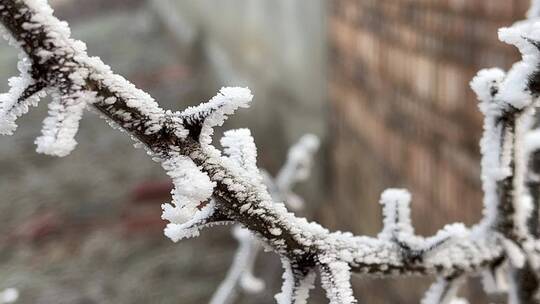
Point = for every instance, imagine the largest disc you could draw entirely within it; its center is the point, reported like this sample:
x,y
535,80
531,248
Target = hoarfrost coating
x,y
297,167
213,188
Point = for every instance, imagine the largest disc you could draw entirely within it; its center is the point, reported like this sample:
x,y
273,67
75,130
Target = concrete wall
x,y
276,48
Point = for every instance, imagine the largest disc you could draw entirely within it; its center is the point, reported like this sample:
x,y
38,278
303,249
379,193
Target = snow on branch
x,y
396,214
298,166
504,160
486,85
297,282
191,193
397,228
508,102
212,187
336,281
444,291
239,145
60,127
24,92
240,273
201,120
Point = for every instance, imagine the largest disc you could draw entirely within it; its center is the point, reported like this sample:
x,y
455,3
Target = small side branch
x,y
298,280
240,147
336,281
444,290
242,263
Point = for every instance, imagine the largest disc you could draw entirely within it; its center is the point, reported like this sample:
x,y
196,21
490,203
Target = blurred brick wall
x,y
402,111
402,115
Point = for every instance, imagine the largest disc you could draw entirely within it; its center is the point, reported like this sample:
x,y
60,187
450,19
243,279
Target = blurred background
x,y
383,83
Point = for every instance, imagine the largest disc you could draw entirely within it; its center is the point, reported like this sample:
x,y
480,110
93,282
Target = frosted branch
x,y
396,214
240,270
443,291
24,92
297,282
336,281
211,188
192,190
298,166
200,120
508,103
60,127
240,147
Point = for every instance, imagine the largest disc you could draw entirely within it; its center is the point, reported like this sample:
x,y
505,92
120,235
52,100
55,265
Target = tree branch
x,y
297,167
211,188
444,290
